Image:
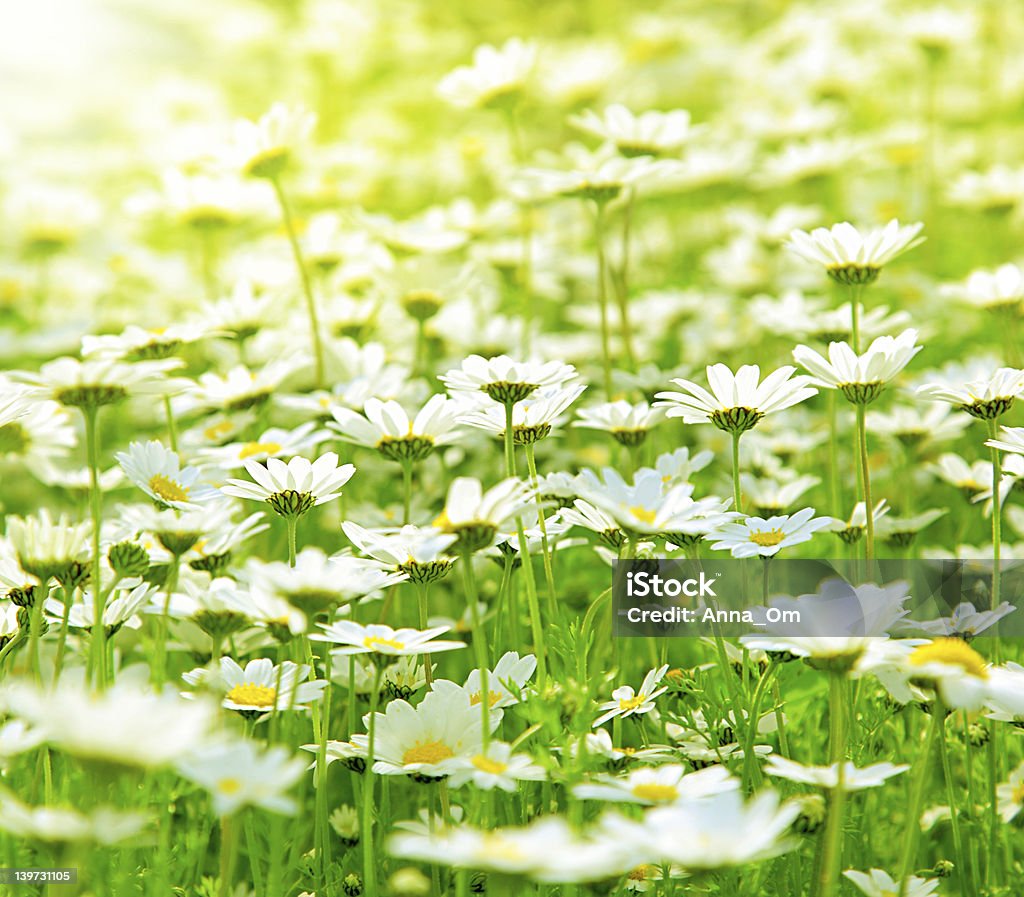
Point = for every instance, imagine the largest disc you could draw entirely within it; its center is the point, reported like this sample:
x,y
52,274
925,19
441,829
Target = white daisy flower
x,y
139,344
647,134
157,471
760,537
964,622
242,774
651,786
497,77
627,423
878,883
505,380
1002,288
260,687
418,552
627,702
264,148
497,767
853,257
294,488
948,666
853,778
239,389
272,443
426,739
376,638
861,378
387,427
506,682
1010,795
737,401
985,397
532,417
61,825
96,382
474,517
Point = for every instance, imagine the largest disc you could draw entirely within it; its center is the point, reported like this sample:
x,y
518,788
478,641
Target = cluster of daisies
x,y
320,436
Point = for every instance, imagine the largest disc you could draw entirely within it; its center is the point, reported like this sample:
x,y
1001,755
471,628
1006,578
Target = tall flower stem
x,y
549,574
997,513
869,511
172,429
622,280
962,866
479,645
736,496
228,854
832,849
366,833
602,297
307,285
421,594
322,838
855,291
406,490
292,522
510,445
917,800
97,643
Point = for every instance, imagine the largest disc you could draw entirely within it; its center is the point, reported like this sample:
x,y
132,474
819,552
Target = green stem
x,y
479,646
855,293
954,814
366,834
917,802
172,430
736,495
406,490
97,646
869,511
292,523
622,281
832,851
549,573
228,853
307,286
510,446
997,513
421,594
602,298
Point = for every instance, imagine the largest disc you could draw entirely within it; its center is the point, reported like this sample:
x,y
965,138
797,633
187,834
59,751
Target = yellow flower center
x,y
952,652
431,752
258,448
498,847
1017,795
643,514
657,794
641,873
767,537
442,521
632,703
373,643
168,489
218,430
477,696
253,695
229,786
486,764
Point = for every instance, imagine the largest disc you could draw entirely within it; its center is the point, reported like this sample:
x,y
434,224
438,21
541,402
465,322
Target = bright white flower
x,y
854,778
387,427
712,833
877,883
532,417
426,739
35,432
157,471
61,825
948,666
497,76
770,496
97,382
121,608
123,725
1010,795
260,687
138,344
757,536
965,621
506,682
647,134
415,551
667,784
584,514
986,398
505,380
850,256
647,507
497,767
240,388
240,773
292,489
47,547
736,401
474,517
1002,288
376,638
861,378
627,423
627,702
16,737
272,443
264,148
